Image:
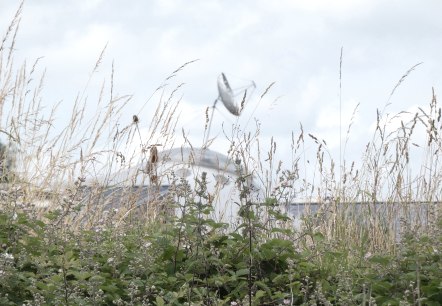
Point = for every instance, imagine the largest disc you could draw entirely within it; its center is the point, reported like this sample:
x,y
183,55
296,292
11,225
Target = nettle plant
x,y
60,247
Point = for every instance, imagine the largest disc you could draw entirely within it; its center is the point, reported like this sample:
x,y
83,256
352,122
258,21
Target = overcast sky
x,y
294,43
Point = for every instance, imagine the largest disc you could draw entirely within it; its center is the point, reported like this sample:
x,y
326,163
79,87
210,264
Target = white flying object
x,y
228,97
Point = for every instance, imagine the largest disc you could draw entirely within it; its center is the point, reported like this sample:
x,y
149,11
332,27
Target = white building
x,y
147,186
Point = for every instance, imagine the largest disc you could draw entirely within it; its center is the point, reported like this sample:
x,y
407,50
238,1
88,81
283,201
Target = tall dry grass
x,y
53,164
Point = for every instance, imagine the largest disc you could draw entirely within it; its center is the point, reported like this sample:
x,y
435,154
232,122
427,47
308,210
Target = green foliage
x,y
199,261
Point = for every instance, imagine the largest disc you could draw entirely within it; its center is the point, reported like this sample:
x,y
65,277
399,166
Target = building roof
x,y
199,157
180,160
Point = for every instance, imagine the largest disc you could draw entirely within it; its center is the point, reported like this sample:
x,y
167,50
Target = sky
x,y
295,44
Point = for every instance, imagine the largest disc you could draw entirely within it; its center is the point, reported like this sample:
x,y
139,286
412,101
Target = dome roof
x,y
176,159
198,157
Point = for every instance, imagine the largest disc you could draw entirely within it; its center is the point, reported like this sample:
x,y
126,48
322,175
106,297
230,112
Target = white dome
x,y
190,163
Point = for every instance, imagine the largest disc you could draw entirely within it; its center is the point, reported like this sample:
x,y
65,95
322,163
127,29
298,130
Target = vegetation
x,y
196,261
6,164
75,252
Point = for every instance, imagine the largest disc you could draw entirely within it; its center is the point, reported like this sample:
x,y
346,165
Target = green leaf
x,y
318,236
264,286
259,294
382,287
280,279
97,279
81,275
382,260
271,201
159,301
111,288
242,272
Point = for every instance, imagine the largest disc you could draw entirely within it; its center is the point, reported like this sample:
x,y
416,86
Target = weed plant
x,y
61,243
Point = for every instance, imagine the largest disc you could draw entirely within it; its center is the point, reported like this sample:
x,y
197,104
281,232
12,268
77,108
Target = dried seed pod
x,y
153,155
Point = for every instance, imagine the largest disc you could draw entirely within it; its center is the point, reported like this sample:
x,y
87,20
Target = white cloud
x,y
343,6
330,117
295,43
90,4
81,45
